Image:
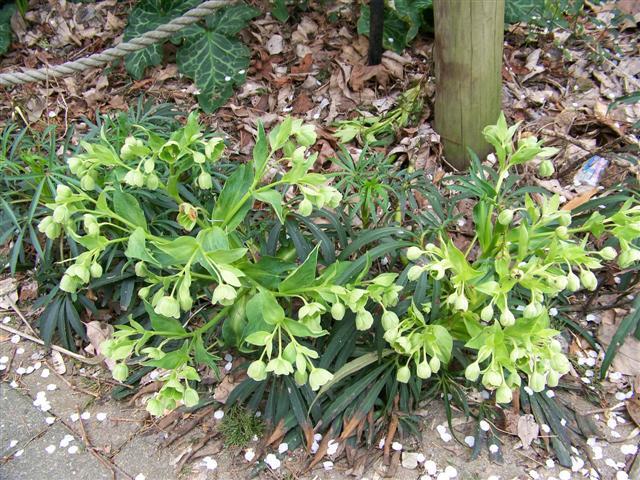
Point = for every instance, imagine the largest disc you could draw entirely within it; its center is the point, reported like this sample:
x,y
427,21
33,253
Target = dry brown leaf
x,y
224,388
58,362
528,430
362,73
633,407
98,332
579,200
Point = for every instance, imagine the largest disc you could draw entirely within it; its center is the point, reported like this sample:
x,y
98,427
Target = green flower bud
x,y
628,257
560,363
390,320
224,294
61,214
62,192
434,363
87,183
364,320
120,372
560,282
141,269
555,346
319,377
301,377
504,394
199,157
573,282
149,165
492,379
537,382
403,375
391,335
545,169
135,178
608,253
305,208
337,311
414,272
279,366
44,223
153,182
487,313
505,217
413,253
472,372
53,230
553,378
514,380
143,293
168,306
423,370
461,302
74,163
96,270
562,232
68,284
531,310
564,218
257,371
588,279
507,319
204,181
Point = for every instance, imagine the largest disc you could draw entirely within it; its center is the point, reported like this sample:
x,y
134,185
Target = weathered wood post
x,y
468,62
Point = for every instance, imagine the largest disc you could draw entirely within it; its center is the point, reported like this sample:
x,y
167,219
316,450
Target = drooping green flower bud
x,y
492,379
560,282
53,230
562,232
204,181
143,293
319,377
68,284
560,363
545,169
168,306
305,208
391,335
413,253
389,320
96,270
507,319
608,253
573,282
301,377
514,380
279,366
120,372
414,272
149,165
531,310
486,313
504,394
135,178
364,320
472,372
62,192
141,269
588,279
461,303
505,217
87,183
423,370
403,375
434,363
61,214
553,378
337,311
153,182
44,223
257,370
537,382
74,163
224,294
564,218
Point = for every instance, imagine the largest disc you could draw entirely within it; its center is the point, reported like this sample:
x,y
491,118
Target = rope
x,y
99,59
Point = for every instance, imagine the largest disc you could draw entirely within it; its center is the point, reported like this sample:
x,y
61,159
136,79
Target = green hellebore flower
x,y
413,253
305,208
120,372
87,183
608,253
168,306
224,294
149,165
155,407
74,163
301,377
507,319
553,378
530,311
560,282
628,257
588,279
434,363
153,182
62,192
279,366
564,218
403,375
560,363
204,181
190,397
337,311
492,379
61,214
472,372
486,313
504,394
562,232
423,370
391,335
364,320
545,169
44,223
573,282
414,272
257,370
53,231
537,382
318,377
135,178
143,292
96,270
461,303
68,284
390,320
505,217
141,269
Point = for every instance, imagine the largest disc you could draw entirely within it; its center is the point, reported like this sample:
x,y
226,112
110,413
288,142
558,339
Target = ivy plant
x,y
209,52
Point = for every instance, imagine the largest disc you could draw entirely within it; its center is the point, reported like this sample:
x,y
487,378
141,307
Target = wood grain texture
x,y
468,62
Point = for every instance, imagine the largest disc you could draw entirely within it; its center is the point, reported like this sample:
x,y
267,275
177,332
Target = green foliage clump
x,y
239,427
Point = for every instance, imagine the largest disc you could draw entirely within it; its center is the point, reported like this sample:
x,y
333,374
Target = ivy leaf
x,y
146,16
213,58
6,13
522,10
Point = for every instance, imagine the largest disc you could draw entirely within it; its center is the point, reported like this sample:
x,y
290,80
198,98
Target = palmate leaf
x,y
213,58
6,12
149,15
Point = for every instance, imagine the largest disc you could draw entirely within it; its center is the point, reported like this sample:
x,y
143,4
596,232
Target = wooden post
x,y
468,63
376,27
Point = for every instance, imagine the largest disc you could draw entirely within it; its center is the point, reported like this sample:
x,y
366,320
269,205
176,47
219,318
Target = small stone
x,y
15,338
249,455
73,449
140,476
484,425
50,449
470,440
327,465
493,448
622,475
430,467
51,387
409,460
564,475
451,472
74,417
629,449
101,416
85,415
283,447
45,373
396,446
19,453
218,414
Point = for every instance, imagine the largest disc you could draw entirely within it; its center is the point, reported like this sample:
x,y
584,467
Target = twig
x,y
69,384
53,347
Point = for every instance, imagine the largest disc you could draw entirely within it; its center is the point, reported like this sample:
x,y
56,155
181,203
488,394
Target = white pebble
x,y
45,373
283,447
85,415
228,357
549,463
51,387
533,474
272,461
20,351
484,425
629,449
18,453
397,446
140,476
328,465
73,449
249,455
218,414
493,448
13,443
4,359
332,447
101,416
469,440
50,420
564,475
553,311
50,449
430,467
210,463
21,370
15,338
451,472
622,475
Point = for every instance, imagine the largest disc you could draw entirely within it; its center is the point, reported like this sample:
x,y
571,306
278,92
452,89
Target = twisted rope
x,y
163,32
